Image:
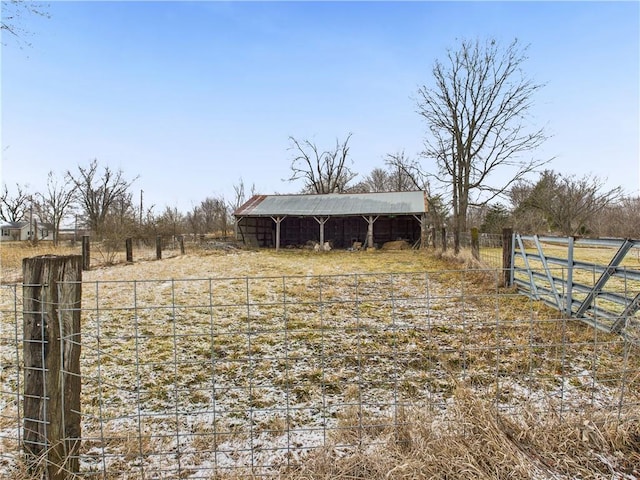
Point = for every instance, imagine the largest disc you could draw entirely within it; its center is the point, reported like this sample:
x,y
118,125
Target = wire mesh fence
x,y
199,378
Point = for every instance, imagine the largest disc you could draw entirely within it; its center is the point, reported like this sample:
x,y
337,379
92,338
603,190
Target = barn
x,y
342,219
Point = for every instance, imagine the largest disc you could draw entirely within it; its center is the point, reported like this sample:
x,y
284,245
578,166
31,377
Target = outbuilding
x,y
343,219
22,231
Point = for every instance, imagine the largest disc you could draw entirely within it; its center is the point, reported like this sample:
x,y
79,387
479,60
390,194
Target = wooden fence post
x,y
475,243
158,247
444,239
86,252
433,236
129,247
181,242
51,315
507,255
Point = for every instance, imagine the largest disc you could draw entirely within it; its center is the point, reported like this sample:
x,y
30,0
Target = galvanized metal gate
x,y
560,271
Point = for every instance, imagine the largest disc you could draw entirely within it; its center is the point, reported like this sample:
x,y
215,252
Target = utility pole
x,y
31,218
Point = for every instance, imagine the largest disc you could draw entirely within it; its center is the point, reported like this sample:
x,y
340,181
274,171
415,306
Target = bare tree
x,y
194,221
55,203
376,181
525,219
170,222
405,174
13,14
402,175
621,219
322,172
569,203
240,196
97,192
476,116
14,207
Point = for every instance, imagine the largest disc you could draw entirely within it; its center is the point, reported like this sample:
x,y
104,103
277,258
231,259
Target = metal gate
x,y
594,280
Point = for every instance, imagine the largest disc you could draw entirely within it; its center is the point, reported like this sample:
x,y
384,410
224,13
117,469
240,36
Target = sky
x,y
192,97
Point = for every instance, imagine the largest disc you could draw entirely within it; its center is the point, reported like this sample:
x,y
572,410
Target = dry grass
x,y
469,442
12,253
472,442
474,369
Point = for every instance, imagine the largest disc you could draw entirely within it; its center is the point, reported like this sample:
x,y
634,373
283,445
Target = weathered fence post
x,y
181,242
475,243
86,252
158,247
507,255
433,236
129,247
51,315
444,239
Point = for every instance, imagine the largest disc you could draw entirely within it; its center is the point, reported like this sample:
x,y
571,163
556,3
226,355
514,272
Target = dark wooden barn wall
x,y
340,231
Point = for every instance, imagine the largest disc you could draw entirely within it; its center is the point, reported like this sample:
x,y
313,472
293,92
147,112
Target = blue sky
x,y
193,96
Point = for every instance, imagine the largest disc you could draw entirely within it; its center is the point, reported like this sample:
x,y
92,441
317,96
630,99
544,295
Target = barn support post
x,y
424,232
370,220
321,221
239,231
52,293
278,221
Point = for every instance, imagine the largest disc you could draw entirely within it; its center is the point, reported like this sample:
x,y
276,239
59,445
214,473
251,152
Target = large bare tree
x,y
476,113
14,207
97,191
322,171
55,203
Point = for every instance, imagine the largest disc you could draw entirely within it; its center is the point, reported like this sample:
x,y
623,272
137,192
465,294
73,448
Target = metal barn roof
x,y
335,204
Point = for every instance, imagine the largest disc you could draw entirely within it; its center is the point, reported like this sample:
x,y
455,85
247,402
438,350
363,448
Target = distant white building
x,y
17,231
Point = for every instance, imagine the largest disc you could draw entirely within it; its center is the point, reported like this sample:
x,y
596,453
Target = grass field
x,y
338,365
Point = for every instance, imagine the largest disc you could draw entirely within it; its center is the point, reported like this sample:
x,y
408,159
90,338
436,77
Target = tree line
x,y
102,201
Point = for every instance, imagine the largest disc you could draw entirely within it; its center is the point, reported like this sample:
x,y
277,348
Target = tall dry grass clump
x,y
473,441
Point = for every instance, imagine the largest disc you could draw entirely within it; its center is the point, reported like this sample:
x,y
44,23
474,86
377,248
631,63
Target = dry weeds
x,y
429,372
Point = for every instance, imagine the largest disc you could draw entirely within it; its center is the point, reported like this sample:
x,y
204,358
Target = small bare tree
x,y
14,207
55,203
239,195
170,222
476,114
322,172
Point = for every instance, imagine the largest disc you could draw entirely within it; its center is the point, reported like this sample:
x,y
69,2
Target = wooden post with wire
x,y
52,291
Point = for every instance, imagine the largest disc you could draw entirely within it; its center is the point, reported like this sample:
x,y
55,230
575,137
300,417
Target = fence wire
x,y
198,378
